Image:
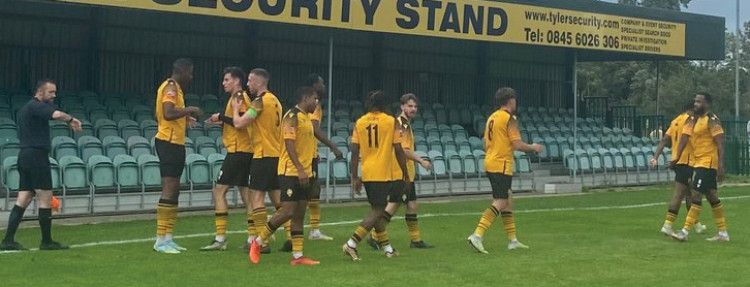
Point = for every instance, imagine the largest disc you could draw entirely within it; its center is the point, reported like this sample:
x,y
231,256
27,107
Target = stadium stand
x,y
115,157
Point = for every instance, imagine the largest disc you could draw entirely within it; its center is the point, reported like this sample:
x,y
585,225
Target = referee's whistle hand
x,y
75,125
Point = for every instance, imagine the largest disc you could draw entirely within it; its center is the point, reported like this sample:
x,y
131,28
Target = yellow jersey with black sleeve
x,y
675,133
702,130
376,133
297,126
499,134
237,140
170,131
266,129
407,142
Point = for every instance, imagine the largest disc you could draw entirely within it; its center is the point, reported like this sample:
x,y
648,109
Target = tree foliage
x,y
635,83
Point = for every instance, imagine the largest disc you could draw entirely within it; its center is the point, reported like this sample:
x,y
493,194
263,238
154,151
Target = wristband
x,y
252,112
71,120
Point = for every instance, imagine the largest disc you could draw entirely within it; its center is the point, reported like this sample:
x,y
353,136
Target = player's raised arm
x,y
241,121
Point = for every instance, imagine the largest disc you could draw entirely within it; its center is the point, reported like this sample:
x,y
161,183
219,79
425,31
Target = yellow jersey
x,y
702,131
317,115
407,142
376,133
170,131
267,126
237,140
298,127
675,133
499,134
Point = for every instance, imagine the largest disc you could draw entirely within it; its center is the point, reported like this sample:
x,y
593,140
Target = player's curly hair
x,y
377,101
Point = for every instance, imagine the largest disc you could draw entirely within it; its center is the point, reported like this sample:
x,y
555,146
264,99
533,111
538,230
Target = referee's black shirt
x,y
33,124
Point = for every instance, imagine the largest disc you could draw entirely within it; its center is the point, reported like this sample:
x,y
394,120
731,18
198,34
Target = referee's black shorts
x,y
34,170
235,171
171,158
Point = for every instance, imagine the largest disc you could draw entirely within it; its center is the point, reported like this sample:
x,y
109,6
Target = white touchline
x,y
593,208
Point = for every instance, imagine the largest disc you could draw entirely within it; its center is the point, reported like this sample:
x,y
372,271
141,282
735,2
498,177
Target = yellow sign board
x,y
461,19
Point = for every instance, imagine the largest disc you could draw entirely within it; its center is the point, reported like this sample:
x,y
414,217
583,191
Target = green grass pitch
x,y
594,239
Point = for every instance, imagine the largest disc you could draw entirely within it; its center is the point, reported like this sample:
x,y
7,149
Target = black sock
x,y
16,214
45,222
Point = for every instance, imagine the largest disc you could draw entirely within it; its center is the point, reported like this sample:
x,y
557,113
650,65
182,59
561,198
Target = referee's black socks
x,y
16,214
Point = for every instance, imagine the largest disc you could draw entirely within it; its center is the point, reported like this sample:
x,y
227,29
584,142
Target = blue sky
x,y
722,8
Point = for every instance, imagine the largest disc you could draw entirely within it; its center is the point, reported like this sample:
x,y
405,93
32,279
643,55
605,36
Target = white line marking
x,y
593,208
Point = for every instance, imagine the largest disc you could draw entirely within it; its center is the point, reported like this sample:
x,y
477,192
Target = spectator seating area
x,y
115,155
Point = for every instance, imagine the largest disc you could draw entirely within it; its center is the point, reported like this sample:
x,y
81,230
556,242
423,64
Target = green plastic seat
x,y
126,171
89,146
138,145
150,175
114,146
101,171
215,161
73,172
64,146
9,147
199,171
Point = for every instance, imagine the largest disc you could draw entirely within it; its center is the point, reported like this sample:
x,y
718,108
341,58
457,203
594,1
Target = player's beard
x,y
700,111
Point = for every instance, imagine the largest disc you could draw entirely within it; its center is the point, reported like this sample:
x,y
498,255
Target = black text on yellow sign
x,y
460,19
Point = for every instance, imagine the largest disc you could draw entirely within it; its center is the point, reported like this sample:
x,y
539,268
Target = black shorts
x,y
683,173
411,194
171,158
235,171
704,180
264,174
500,185
291,189
381,193
34,170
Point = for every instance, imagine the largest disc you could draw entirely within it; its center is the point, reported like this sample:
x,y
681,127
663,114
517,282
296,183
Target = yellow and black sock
x,y
166,216
260,218
488,217
359,233
387,216
314,206
288,229
509,223
413,226
172,218
162,215
267,231
297,239
692,216
383,238
251,231
687,206
719,218
671,217
220,219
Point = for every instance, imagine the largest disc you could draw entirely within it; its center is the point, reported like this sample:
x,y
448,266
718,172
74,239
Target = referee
x,y
33,164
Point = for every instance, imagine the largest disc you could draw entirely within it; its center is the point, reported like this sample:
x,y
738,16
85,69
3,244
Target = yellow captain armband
x,y
252,112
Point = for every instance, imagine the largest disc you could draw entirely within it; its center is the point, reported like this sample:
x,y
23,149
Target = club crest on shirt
x,y
289,192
